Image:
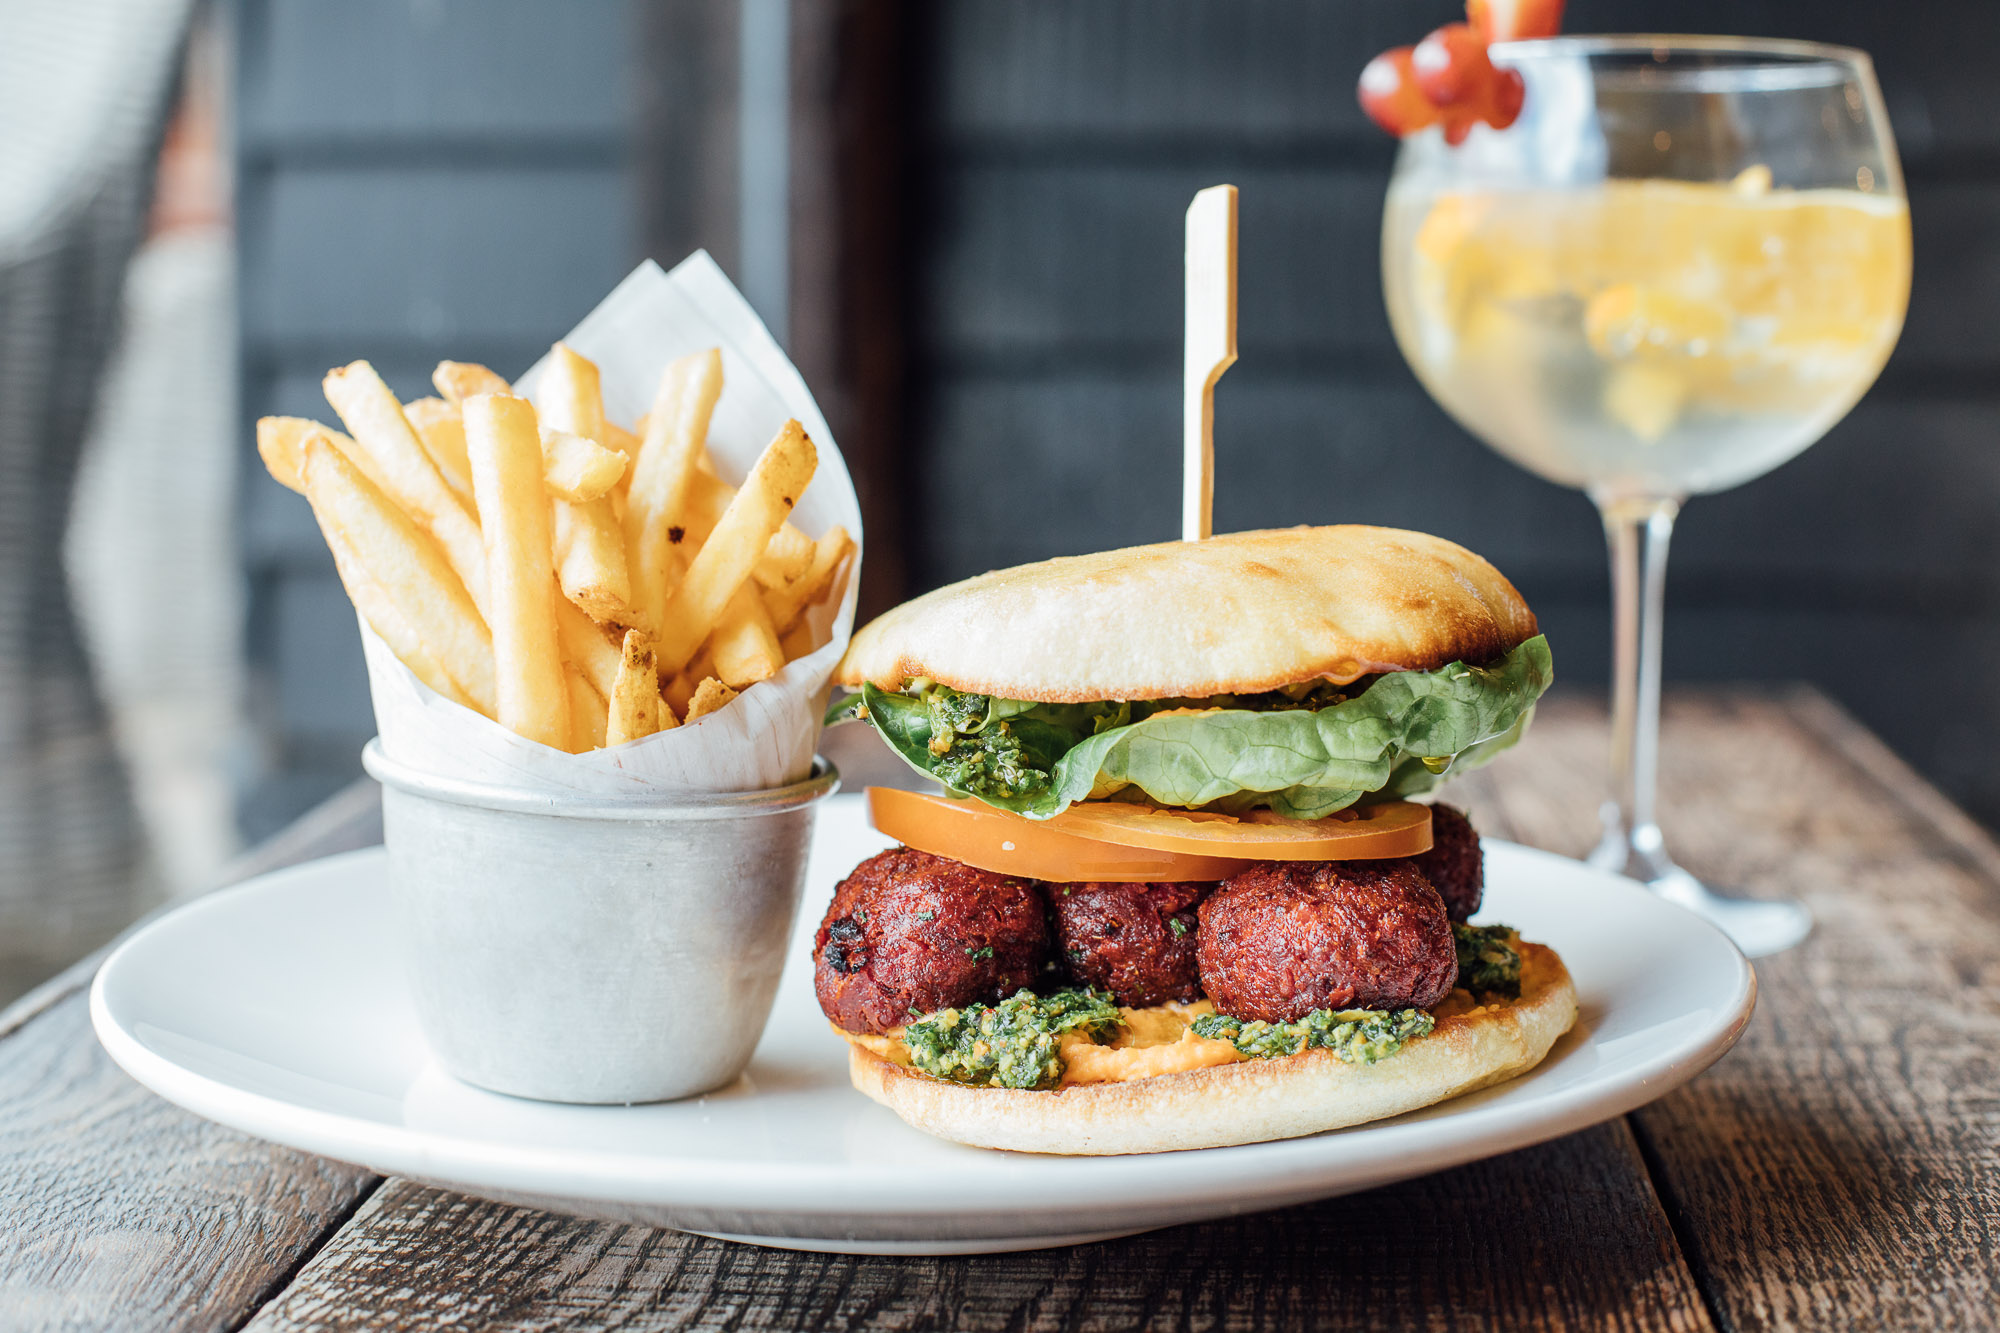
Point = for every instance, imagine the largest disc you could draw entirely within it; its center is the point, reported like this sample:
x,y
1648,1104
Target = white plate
x,y
278,1007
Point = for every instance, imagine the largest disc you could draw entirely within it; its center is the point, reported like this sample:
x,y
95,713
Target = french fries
x,y
587,714
402,563
744,645
281,444
460,380
442,433
676,431
590,560
576,468
636,708
579,583
787,604
503,445
719,568
581,473
585,647
570,396
711,695
405,471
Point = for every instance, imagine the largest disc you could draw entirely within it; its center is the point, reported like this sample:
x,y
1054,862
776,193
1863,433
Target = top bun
x,y
1235,614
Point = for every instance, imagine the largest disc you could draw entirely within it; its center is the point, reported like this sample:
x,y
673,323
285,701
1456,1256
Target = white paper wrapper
x,y
765,737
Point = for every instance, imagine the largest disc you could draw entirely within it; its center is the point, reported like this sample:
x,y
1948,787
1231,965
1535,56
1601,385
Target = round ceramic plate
x,y
278,1007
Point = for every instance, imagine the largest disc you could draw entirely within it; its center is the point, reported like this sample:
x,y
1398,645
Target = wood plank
x,y
1563,1236
123,1211
1835,1171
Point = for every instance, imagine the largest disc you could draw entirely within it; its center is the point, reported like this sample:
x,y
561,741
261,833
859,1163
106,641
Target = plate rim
x,y
1403,1149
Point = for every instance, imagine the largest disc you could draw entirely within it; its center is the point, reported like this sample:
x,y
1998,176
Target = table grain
x,y
1840,1169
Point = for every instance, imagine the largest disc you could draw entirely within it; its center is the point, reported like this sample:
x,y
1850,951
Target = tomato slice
x,y
1359,833
990,839
1118,841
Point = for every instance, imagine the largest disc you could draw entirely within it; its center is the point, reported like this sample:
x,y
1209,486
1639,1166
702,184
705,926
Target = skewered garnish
x,y
1448,79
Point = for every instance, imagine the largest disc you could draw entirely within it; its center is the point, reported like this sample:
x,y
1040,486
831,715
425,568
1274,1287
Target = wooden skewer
x,y
1211,347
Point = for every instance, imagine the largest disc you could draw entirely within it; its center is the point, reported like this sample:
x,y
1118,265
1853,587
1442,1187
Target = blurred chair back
x,y
84,89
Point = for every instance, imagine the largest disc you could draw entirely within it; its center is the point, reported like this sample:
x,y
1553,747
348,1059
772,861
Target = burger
x,y
1175,892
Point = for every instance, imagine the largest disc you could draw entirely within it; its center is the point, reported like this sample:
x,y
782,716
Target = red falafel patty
x,y
1454,865
1288,937
912,932
1135,940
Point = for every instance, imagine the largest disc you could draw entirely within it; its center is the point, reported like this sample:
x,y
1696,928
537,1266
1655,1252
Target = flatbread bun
x,y
1240,613
1248,1102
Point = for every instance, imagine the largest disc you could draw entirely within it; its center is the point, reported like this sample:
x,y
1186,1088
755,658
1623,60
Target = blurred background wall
x,y
979,271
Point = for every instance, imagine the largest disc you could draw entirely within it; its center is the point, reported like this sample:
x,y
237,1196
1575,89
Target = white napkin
x,y
765,737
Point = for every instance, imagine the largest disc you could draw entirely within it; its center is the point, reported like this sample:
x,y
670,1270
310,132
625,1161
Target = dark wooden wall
x,y
1058,144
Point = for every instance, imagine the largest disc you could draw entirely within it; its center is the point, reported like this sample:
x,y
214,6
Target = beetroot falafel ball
x,y
912,932
1288,937
1134,940
1454,865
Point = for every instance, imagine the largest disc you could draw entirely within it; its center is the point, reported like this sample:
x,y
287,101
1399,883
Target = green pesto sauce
x,y
1488,962
1357,1036
1011,1044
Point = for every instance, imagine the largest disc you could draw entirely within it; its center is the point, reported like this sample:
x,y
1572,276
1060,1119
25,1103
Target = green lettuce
x,y
1401,735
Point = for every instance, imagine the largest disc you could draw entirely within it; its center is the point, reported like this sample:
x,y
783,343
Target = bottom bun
x,y
1250,1101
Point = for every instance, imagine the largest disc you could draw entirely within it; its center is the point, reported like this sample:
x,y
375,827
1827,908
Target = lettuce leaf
x,y
1400,736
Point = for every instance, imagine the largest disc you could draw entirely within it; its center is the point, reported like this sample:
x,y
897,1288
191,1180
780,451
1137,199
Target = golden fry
x,y
677,693
460,380
370,535
787,604
586,648
388,621
281,444
442,432
635,702
797,641
590,560
709,696
787,557
569,394
576,468
676,429
780,476
405,471
503,444
587,713
624,441
709,496
745,642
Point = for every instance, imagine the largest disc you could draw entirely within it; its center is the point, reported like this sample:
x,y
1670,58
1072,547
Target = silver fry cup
x,y
594,949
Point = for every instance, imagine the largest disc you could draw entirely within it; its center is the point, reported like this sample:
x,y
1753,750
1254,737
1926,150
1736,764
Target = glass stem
x,y
1637,530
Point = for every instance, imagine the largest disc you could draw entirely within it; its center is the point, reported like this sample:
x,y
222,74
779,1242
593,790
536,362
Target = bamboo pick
x,y
1211,347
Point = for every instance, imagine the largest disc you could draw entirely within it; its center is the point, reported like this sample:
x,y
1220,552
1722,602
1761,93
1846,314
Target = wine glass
x,y
1682,264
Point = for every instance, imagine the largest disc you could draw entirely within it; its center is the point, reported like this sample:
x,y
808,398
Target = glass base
x,y
1758,927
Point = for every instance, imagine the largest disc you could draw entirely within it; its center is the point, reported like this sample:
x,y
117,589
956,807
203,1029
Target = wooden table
x,y
1840,1169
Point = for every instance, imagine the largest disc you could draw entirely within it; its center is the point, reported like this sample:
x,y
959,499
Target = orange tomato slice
x,y
1364,833
1104,842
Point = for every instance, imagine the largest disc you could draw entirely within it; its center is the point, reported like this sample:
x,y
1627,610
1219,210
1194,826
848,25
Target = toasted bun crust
x,y
1248,1102
1240,613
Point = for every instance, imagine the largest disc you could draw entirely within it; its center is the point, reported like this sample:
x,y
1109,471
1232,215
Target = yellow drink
x,y
1647,337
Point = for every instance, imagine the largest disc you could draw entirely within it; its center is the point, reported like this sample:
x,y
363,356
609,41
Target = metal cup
x,y
593,949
